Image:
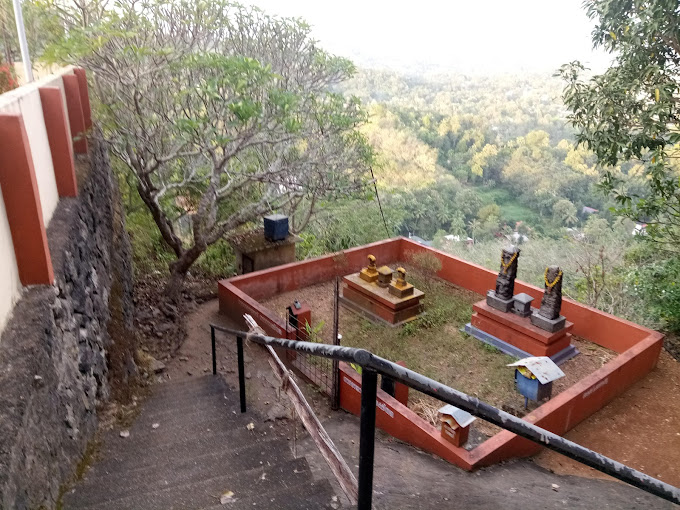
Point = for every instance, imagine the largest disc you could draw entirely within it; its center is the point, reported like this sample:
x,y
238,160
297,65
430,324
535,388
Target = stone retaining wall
x,y
53,352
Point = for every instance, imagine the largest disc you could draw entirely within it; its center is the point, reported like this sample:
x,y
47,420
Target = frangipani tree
x,y
222,113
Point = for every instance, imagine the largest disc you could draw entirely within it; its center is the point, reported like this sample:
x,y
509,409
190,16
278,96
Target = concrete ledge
x,y
564,355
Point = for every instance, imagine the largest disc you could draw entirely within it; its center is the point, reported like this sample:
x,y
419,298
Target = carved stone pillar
x,y
501,298
548,316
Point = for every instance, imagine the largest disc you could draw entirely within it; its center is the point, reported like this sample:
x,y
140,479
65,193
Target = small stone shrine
x,y
508,321
268,246
375,294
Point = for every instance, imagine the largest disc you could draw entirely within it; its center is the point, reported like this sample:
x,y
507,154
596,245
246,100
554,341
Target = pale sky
x,y
483,36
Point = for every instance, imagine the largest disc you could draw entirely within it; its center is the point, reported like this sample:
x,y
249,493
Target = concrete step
x,y
139,480
312,496
164,411
160,404
257,482
172,448
175,426
201,449
198,387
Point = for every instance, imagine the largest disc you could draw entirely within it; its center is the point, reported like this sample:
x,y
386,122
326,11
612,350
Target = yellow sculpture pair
x,y
383,278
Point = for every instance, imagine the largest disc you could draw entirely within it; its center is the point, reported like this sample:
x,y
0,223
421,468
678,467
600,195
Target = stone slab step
x,y
312,496
104,486
192,424
261,481
200,384
216,402
198,387
171,449
163,404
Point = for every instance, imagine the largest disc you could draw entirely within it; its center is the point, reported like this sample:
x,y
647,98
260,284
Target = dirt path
x,y
641,428
629,430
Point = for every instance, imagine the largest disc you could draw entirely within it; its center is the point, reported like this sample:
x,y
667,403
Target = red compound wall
x,y
638,348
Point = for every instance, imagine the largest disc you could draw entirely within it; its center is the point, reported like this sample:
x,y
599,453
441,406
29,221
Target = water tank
x,y
275,227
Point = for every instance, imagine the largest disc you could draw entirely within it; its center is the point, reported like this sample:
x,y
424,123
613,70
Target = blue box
x,y
532,388
276,227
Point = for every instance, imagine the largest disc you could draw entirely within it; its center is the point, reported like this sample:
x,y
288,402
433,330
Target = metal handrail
x,y
372,365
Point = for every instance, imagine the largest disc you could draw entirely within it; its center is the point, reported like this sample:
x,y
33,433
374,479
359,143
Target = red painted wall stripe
x,y
22,203
84,96
58,135
75,113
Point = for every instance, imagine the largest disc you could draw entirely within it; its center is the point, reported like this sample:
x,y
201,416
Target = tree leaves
x,y
630,113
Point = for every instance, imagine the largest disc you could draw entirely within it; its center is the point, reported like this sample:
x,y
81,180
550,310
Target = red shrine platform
x,y
519,331
378,303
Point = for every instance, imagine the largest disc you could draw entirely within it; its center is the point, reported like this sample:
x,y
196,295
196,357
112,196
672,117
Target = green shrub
x,y
218,260
149,251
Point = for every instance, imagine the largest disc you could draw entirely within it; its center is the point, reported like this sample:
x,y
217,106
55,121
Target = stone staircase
x,y
200,449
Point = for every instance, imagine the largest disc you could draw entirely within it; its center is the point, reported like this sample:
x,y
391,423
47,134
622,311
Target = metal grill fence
x,y
322,372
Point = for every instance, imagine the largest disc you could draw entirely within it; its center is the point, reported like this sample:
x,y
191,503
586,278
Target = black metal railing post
x,y
335,365
214,355
369,393
241,373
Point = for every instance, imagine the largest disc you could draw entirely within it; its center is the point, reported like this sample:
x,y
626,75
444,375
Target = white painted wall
x,y
26,101
10,286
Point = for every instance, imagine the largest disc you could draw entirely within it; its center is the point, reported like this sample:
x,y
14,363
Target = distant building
x,y
420,240
589,210
518,238
640,229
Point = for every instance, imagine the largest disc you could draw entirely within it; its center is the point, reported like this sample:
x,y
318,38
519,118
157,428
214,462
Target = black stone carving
x,y
552,295
505,283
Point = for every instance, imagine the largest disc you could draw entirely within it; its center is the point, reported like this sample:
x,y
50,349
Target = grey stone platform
x,y
565,354
201,449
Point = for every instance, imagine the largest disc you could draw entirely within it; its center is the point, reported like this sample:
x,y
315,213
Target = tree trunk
x,y
178,272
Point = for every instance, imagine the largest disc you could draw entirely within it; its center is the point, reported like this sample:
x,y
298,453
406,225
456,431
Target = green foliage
x,y
314,332
345,224
630,113
488,211
217,261
657,285
149,252
222,114
564,212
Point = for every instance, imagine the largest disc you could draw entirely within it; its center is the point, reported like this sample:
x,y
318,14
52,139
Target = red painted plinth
x,y
519,331
304,319
378,302
84,96
457,436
